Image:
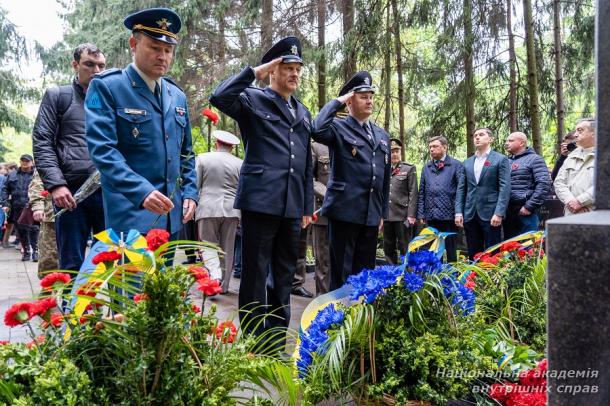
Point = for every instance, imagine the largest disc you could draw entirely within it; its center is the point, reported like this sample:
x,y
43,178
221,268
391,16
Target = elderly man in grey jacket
x,y
217,220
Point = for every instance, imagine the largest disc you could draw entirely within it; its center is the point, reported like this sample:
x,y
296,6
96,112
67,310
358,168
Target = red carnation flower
x,y
510,246
140,297
107,258
209,287
35,342
314,217
515,166
395,171
42,307
89,289
210,115
440,165
486,258
526,399
44,193
532,378
543,365
470,285
501,391
18,314
198,272
225,331
55,281
195,308
486,163
4,342
56,320
86,317
156,238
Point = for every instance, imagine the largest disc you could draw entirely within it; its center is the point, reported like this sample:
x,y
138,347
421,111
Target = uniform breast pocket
x,y
352,148
134,126
266,120
180,127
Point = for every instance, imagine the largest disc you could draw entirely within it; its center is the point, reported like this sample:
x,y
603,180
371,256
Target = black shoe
x,y
26,256
35,256
237,275
301,291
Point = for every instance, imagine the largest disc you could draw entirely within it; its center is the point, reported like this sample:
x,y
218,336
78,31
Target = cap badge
x,y
294,50
354,151
163,24
367,81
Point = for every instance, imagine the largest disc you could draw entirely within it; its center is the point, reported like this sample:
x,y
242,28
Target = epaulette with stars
x,y
108,72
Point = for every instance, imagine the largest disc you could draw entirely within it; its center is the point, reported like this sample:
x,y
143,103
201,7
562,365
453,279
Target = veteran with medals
x,y
356,200
275,191
138,132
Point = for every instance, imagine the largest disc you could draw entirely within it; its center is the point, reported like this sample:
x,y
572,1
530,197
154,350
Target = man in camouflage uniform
x,y
42,208
398,228
321,171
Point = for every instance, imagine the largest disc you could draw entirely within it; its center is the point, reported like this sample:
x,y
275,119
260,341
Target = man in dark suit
x,y
483,194
356,200
275,191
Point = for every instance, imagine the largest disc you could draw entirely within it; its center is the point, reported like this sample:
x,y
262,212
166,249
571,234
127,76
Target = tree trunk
x,y
558,75
387,74
267,28
401,90
532,75
322,48
469,90
349,64
512,63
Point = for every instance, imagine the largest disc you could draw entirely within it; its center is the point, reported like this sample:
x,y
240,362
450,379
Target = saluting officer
x,y
357,193
139,135
275,191
402,203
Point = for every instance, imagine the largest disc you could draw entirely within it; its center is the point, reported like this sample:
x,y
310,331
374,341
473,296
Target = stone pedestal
x,y
578,284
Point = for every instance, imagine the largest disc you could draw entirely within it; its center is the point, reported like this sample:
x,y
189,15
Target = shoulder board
x,y
170,80
108,72
408,165
341,114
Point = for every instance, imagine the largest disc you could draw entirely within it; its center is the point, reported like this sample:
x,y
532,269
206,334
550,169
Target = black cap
x,y
161,24
359,83
26,157
289,49
395,143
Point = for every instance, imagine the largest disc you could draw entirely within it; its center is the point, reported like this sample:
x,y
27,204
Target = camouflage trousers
x,y
47,249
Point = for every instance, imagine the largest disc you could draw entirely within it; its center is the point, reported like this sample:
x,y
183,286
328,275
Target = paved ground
x,y
19,282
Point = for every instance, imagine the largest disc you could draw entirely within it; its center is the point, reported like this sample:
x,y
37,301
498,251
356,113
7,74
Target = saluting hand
x,y
343,99
262,71
158,203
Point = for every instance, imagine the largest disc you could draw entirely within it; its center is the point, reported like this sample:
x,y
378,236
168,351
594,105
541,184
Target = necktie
x,y
157,92
292,110
367,129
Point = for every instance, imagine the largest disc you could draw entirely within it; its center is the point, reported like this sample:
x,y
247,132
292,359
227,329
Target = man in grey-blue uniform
x,y
275,191
138,132
356,200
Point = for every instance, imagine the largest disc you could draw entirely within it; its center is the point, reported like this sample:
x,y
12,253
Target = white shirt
x,y
479,161
147,79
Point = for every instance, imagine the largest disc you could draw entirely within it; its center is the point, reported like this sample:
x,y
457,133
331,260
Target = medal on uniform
x,y
354,151
386,159
135,132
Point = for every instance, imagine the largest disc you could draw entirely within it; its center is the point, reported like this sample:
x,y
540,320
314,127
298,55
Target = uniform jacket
x,y
139,147
60,148
321,173
403,192
575,178
359,184
437,190
529,180
276,176
38,201
217,179
490,195
15,189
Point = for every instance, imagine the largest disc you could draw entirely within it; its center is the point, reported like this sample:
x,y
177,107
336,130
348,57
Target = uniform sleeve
x,y
187,164
44,141
323,130
413,194
542,184
319,188
35,193
504,187
230,98
308,187
385,197
102,140
421,209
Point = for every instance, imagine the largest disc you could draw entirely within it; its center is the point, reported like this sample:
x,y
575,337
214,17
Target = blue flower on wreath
x,y
413,282
462,299
424,262
314,337
371,282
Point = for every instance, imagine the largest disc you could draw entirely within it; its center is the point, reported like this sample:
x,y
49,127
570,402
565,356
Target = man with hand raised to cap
x,y
356,200
275,192
139,135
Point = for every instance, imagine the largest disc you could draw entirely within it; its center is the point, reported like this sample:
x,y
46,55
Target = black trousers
x,y
352,248
450,242
396,236
480,235
270,246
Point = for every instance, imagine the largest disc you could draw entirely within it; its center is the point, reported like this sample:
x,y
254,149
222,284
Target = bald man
x,y
529,185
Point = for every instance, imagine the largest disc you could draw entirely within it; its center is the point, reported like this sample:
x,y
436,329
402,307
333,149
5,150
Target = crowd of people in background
x,y
336,179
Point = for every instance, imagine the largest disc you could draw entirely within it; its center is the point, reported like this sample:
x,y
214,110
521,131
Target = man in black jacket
x,y
63,159
14,198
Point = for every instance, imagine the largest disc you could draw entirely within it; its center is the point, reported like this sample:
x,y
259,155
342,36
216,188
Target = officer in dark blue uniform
x,y
275,191
356,199
139,135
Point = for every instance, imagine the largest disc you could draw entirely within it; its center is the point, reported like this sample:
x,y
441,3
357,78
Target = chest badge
x,y
354,151
180,111
135,132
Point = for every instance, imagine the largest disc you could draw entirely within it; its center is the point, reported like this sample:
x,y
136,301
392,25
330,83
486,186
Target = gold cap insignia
x,y
164,24
294,50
